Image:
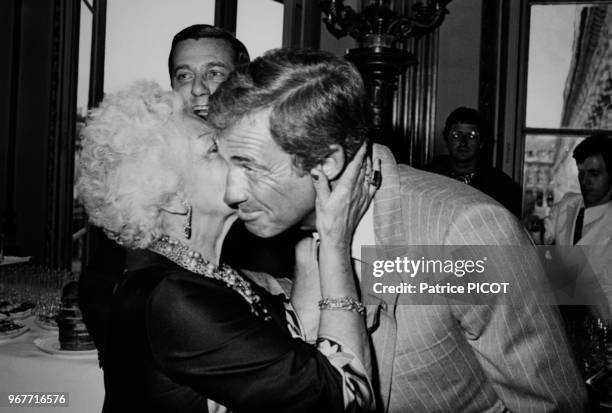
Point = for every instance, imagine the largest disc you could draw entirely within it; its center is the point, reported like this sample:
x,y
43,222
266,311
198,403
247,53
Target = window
x,y
256,35
79,219
136,51
116,51
569,88
85,37
122,41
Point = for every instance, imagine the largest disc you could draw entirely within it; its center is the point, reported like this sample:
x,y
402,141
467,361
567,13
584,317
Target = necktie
x,y
578,228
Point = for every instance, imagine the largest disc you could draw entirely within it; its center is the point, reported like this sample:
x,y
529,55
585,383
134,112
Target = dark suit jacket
x,y
491,181
176,339
108,261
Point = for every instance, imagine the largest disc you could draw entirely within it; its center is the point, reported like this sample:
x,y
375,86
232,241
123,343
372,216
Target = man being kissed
x,y
292,115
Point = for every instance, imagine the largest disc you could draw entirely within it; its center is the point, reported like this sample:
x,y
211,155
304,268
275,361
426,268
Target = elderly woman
x,y
187,334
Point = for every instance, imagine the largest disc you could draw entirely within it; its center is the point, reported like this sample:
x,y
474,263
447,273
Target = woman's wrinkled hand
x,y
340,209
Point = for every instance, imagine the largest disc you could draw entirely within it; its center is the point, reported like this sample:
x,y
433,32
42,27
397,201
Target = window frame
x,y
525,131
303,13
504,71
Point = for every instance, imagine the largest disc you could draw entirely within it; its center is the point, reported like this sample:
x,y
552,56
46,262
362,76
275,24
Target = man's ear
x,y
333,165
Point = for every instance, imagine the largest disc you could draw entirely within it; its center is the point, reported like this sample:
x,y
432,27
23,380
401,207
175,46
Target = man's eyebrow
x,y
245,160
218,63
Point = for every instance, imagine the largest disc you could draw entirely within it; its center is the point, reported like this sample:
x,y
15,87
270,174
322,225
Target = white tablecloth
x,y
24,368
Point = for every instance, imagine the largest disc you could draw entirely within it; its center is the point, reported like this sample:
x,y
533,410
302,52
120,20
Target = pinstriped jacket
x,y
469,358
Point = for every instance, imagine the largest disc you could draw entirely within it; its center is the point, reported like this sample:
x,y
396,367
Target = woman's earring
x,y
187,227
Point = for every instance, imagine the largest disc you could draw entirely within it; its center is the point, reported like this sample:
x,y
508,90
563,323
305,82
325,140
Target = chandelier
x,y
381,56
377,25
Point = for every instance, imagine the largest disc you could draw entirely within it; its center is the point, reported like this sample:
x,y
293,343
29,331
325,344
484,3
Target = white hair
x,y
130,165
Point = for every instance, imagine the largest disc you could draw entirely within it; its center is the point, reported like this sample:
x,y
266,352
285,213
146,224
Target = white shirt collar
x,y
595,212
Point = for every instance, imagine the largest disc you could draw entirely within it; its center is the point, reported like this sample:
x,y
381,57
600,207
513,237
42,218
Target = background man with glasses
x,y
467,160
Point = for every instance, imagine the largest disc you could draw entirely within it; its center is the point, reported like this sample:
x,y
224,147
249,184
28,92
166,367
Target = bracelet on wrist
x,y
342,303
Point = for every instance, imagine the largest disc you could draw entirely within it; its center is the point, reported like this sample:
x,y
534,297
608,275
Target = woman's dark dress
x,y
177,339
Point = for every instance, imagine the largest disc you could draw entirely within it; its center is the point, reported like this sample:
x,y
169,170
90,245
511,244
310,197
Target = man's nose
x,y
199,87
235,188
585,182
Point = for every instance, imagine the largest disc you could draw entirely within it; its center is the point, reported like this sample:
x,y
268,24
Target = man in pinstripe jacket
x,y
289,112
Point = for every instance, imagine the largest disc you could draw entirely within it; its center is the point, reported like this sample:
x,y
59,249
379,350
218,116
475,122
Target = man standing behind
x,y
467,142
292,115
586,218
201,58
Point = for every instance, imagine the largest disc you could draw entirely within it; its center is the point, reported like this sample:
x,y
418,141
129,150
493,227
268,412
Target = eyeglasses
x,y
458,136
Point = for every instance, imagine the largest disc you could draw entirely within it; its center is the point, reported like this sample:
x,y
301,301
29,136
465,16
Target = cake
x,y
8,328
73,335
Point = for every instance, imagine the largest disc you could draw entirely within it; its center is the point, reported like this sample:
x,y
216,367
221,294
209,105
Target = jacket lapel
x,y
388,223
388,230
383,341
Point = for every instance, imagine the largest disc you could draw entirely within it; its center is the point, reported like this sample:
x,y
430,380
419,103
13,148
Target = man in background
x,y
467,143
586,218
201,58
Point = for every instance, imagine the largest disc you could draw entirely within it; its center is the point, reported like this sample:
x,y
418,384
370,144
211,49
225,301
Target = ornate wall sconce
x,y
382,35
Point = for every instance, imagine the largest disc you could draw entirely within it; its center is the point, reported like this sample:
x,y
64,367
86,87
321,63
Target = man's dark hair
x,y
595,145
206,31
317,100
464,115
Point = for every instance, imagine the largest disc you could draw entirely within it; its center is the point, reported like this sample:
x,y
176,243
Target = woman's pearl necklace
x,y
193,261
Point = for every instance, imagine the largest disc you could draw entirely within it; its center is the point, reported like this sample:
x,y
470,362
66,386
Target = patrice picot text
x,y
405,266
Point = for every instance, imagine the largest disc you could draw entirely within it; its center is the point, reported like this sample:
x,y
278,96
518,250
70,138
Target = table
x,y
24,368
